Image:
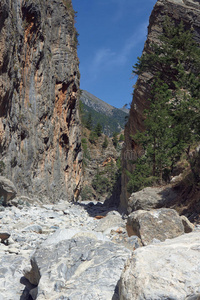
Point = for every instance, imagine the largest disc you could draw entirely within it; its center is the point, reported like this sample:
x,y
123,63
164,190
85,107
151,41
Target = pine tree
x,y
157,140
105,143
93,137
115,139
98,129
89,122
121,138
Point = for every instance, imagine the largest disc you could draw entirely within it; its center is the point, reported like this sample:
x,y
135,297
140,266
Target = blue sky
x,y
111,37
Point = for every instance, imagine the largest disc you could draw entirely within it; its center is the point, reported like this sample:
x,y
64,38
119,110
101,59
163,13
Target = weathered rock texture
x,y
159,224
7,190
164,271
151,197
39,80
80,268
189,13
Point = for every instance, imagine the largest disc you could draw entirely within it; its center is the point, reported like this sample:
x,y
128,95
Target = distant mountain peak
x,y
111,118
96,103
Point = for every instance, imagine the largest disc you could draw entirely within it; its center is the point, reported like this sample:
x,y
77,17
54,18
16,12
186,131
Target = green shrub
x,y
115,140
98,129
93,137
105,143
101,184
86,193
121,138
86,153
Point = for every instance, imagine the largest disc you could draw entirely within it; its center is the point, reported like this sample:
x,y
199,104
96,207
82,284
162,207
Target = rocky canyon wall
x,y
39,82
189,12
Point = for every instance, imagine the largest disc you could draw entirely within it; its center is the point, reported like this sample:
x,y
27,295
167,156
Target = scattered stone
x,y
23,201
99,217
188,226
10,241
76,232
113,212
169,270
36,228
11,272
162,224
109,221
13,250
61,235
134,242
3,248
193,297
120,230
4,236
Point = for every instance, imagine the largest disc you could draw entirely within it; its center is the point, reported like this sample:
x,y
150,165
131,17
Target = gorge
x,y
55,245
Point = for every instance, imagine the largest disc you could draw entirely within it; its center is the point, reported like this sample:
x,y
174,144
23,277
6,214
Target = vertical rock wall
x,y
189,12
39,82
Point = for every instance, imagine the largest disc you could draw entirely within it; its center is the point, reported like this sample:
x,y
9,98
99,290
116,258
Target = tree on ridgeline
x,y
98,129
115,139
89,122
105,143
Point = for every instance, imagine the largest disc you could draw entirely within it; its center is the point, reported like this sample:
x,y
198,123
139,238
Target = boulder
x,y
159,224
11,273
7,190
188,226
193,297
110,222
150,198
168,270
4,236
35,227
78,268
66,234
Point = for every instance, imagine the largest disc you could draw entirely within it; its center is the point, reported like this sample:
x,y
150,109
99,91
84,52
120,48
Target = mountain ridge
x,y
111,118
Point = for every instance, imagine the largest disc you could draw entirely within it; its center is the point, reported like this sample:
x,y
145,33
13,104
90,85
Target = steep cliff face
x,y
39,80
189,12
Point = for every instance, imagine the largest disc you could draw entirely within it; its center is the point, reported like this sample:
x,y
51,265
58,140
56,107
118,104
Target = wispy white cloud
x,y
121,8
105,57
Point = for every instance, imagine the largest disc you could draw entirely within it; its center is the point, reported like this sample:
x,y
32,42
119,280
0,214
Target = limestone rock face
x,y
39,79
189,13
169,270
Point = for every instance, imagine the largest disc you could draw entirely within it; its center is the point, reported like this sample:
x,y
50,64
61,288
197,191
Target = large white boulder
x,y
168,270
151,198
159,224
